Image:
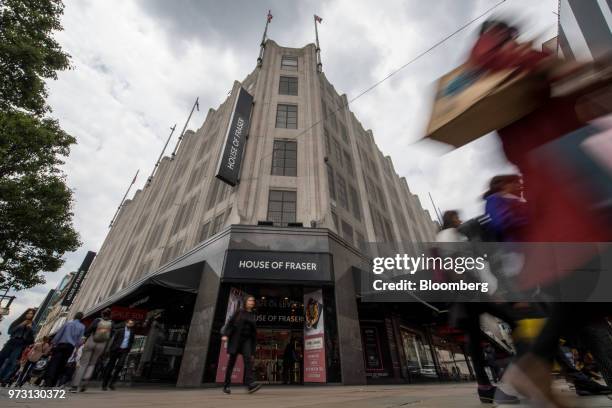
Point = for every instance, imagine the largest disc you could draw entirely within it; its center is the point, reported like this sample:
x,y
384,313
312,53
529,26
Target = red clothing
x,y
557,214
493,52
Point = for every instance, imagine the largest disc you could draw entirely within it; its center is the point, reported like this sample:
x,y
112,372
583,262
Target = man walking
x,y
121,343
63,343
97,334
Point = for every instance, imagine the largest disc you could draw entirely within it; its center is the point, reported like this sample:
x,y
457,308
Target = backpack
x,y
103,331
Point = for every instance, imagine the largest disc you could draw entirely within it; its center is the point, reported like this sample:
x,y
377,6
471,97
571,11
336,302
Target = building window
x,y
361,242
330,181
289,62
348,162
282,207
335,220
218,223
342,194
338,152
355,203
284,158
347,232
286,116
212,193
288,85
204,231
344,133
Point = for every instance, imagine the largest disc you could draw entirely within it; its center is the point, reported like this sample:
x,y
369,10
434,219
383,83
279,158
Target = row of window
x,y
346,231
346,195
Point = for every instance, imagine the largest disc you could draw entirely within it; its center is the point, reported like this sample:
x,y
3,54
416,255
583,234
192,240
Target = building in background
x,y
54,314
585,29
302,197
53,311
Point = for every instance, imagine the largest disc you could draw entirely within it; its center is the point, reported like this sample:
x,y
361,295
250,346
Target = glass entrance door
x,y
278,357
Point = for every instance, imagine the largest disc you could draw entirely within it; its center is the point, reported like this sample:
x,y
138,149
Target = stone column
x,y
196,347
349,334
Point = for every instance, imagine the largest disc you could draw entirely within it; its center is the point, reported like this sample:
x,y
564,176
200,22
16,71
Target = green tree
x,y
35,204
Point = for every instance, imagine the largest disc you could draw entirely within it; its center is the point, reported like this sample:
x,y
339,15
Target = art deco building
x,y
313,189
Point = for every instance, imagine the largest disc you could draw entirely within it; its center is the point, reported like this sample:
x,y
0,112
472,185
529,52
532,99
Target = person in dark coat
x,y
290,357
120,345
240,332
21,336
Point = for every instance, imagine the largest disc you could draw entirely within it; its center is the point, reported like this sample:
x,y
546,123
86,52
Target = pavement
x,y
380,396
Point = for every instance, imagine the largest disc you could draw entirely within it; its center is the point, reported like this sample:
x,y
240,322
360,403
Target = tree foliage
x,y
35,203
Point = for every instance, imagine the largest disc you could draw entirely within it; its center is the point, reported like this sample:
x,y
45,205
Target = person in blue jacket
x,y
506,207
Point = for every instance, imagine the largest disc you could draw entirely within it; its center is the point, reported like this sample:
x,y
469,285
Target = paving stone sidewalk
x,y
389,396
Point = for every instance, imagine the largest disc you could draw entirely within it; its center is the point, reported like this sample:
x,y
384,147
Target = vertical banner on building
x,y
234,303
75,285
228,169
315,370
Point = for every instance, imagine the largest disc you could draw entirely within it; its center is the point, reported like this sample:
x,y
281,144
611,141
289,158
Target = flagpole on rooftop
x,y
318,19
196,105
263,39
123,199
160,155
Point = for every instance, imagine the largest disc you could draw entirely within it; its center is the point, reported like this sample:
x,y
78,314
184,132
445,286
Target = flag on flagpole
x,y
318,19
197,104
270,16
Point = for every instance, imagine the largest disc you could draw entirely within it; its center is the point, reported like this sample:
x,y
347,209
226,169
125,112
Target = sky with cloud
x,y
139,65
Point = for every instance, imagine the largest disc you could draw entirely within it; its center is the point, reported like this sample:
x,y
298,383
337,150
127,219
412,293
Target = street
x,y
384,396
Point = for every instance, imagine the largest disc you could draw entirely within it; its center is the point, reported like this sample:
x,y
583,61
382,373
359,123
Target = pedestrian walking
x,y
39,350
240,333
120,345
290,357
97,336
21,335
63,344
466,316
559,213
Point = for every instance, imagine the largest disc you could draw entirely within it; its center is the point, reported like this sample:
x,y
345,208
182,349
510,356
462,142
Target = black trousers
x,y
244,348
116,360
471,324
57,364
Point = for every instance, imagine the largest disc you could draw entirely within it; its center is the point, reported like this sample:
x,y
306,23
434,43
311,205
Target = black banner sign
x,y
75,285
230,161
268,265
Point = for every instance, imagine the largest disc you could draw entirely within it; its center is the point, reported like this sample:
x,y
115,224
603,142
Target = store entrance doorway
x,y
279,356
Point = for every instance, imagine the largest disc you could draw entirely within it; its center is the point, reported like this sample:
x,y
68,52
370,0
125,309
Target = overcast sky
x,y
139,65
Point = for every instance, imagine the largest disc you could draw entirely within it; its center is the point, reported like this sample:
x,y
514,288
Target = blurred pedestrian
x,y
120,345
289,359
466,316
96,336
241,334
63,343
39,350
21,335
491,359
506,208
558,214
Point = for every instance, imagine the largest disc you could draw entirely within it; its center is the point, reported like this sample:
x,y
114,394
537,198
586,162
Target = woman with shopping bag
x,y
557,212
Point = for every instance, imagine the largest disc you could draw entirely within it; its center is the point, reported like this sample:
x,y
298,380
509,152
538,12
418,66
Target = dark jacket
x,y
117,338
239,328
21,334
